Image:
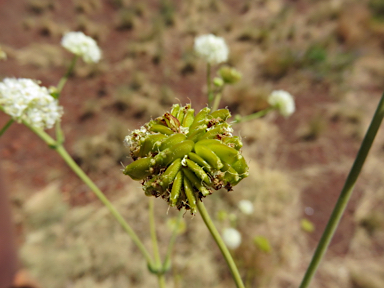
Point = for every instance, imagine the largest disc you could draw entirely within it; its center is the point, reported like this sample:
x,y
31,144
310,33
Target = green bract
x,y
183,157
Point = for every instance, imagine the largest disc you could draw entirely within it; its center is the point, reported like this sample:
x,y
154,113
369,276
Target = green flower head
x,y
183,157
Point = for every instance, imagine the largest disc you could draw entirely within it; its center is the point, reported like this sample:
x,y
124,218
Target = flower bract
x,y
81,45
25,100
211,48
183,157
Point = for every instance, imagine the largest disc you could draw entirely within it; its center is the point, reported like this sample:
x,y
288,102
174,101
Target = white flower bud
x,y
25,100
81,45
211,48
283,102
246,207
231,238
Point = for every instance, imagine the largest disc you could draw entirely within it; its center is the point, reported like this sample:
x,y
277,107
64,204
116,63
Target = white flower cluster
x,y
25,100
283,102
231,238
81,45
211,48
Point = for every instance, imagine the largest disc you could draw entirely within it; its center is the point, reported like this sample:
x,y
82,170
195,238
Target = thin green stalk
x,y
345,194
256,115
161,280
59,133
6,126
223,248
159,268
167,260
216,101
152,226
64,79
72,164
209,83
75,168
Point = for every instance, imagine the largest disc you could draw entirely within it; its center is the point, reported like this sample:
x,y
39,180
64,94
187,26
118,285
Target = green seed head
x,y
183,157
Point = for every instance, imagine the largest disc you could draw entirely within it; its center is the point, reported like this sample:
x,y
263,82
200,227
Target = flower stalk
x,y
6,126
345,194
219,241
159,271
239,119
80,173
64,79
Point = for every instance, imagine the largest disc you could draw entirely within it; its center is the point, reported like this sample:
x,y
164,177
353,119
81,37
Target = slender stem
x,y
159,268
80,173
64,79
59,133
167,259
72,164
345,194
161,280
224,250
41,133
209,84
152,226
256,115
6,126
216,101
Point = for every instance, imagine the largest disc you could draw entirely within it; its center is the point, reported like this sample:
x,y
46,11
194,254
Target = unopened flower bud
x,y
230,75
246,207
231,238
218,82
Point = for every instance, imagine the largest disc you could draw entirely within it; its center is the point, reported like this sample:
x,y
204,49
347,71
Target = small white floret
x,y
231,238
211,48
246,207
283,102
25,100
81,45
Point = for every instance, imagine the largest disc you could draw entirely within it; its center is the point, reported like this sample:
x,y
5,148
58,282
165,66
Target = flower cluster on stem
x,y
25,100
81,45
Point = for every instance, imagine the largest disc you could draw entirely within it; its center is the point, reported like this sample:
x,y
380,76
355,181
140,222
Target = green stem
x,y
224,250
216,101
239,119
152,226
6,126
75,168
159,269
345,194
59,133
72,164
167,260
161,280
209,84
64,79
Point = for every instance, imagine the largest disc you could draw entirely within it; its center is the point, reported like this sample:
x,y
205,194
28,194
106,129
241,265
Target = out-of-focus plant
x,y
181,156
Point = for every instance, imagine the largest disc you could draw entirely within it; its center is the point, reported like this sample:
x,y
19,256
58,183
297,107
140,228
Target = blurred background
x,y
328,54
